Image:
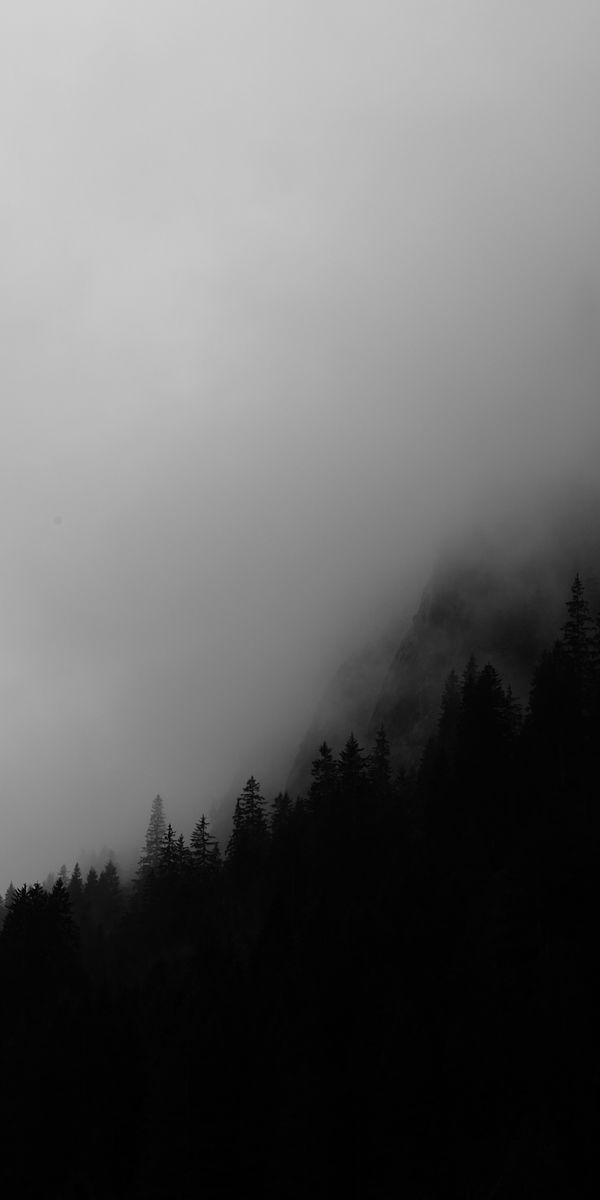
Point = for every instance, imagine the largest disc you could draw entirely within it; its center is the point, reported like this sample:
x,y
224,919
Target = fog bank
x,y
292,294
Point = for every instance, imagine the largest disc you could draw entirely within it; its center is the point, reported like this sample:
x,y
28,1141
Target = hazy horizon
x,y
291,295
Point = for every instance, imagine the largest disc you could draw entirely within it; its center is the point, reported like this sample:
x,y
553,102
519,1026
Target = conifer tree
x,y
281,813
202,843
578,630
155,834
253,804
91,882
324,773
76,891
166,864
579,643
549,701
40,940
182,858
235,842
249,837
467,721
379,770
352,768
90,895
62,927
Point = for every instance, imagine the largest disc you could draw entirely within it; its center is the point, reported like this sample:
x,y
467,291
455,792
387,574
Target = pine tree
x,y
182,858
352,769
202,843
549,702
324,773
235,843
468,720
578,630
579,643
151,856
253,805
166,864
90,895
40,942
247,845
379,769
281,814
76,892
63,930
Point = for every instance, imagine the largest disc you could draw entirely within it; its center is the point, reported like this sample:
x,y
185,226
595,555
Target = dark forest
x,y
381,987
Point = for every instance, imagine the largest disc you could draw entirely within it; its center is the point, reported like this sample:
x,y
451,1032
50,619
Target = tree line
x,y
381,986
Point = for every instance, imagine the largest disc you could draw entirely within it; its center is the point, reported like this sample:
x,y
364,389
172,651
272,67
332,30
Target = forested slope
x,y
385,986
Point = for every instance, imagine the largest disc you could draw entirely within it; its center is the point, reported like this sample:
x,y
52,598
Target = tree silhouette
x,y
155,836
378,968
352,768
378,765
40,941
168,853
248,843
89,911
203,846
578,630
281,815
324,772
182,858
76,893
579,643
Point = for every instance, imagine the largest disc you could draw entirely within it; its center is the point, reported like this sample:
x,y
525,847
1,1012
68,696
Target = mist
x,y
291,295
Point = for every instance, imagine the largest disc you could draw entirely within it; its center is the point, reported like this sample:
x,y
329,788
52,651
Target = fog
x,y
290,293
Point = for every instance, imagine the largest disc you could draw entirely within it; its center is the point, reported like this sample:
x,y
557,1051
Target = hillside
x,y
500,604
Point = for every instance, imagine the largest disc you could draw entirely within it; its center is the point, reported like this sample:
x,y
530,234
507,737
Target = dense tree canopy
x,y
384,989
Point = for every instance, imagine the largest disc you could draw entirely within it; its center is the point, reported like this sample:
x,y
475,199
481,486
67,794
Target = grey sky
x,y
288,290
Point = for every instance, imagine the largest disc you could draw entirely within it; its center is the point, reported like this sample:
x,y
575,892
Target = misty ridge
x,y
378,982
273,334
300,529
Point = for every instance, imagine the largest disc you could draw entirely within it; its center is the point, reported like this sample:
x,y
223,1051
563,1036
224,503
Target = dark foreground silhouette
x,y
384,987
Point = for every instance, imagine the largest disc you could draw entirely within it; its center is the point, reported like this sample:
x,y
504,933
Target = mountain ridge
x,y
500,604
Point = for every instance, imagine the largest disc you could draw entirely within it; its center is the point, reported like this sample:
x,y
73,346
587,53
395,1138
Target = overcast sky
x,y
288,289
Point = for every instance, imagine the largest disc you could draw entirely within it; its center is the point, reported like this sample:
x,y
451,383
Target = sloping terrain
x,y
502,606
